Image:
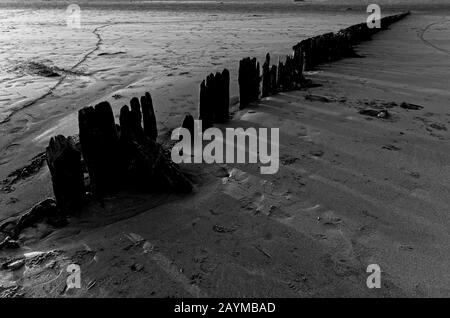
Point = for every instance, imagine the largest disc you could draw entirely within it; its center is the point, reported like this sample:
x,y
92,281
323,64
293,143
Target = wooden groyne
x,y
104,158
306,55
108,157
330,47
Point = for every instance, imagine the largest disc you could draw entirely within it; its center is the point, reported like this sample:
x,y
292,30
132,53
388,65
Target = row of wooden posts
x,y
330,47
215,99
109,155
284,76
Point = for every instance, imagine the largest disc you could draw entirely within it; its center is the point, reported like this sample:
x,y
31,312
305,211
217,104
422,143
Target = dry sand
x,y
351,191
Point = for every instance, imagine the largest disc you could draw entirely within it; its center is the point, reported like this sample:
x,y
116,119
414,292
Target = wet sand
x,y
351,191
118,54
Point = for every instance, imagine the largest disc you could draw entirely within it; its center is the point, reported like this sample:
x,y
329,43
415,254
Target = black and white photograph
x,y
237,152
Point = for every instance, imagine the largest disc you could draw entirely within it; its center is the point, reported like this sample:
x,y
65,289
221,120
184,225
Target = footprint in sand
x,y
391,147
406,248
330,219
438,126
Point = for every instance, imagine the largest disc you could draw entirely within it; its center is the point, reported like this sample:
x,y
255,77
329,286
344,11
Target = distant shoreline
x,y
251,7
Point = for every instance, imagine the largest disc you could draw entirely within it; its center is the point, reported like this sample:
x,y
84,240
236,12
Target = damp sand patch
x,y
43,69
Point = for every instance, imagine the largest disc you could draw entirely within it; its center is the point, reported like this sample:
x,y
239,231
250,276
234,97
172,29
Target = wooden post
x,y
222,91
255,80
136,118
225,114
266,77
314,52
188,123
99,145
249,81
298,66
289,73
64,163
126,146
202,107
211,97
216,97
273,80
204,104
243,82
280,76
125,123
307,56
149,117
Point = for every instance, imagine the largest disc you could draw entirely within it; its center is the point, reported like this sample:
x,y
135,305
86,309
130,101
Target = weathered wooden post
x,y
211,98
222,83
255,80
99,145
243,82
298,66
266,77
341,44
149,117
64,163
289,73
126,144
202,107
327,47
307,55
216,97
314,52
226,95
125,125
332,47
188,123
273,80
286,74
206,110
280,75
317,57
136,118
249,81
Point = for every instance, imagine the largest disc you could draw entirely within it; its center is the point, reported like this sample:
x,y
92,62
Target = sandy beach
x,y
116,55
352,190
